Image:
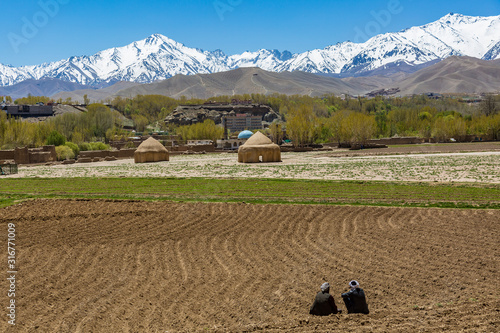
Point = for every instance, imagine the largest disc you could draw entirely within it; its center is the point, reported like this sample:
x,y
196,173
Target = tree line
x,y
97,124
305,120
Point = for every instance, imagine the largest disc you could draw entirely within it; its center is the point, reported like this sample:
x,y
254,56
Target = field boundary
x,y
262,191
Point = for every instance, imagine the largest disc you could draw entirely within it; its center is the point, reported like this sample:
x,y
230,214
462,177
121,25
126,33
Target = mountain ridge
x,y
245,80
158,57
452,75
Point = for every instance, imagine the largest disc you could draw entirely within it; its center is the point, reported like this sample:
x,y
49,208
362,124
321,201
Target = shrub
x,y
74,147
55,138
64,153
84,146
98,146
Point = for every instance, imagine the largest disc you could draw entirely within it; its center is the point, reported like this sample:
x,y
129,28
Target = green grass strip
x,y
281,191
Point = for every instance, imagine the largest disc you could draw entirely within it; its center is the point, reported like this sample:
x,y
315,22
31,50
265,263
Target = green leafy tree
x,y
336,129
55,138
140,122
206,130
382,123
100,119
31,100
3,127
494,127
301,125
359,127
276,132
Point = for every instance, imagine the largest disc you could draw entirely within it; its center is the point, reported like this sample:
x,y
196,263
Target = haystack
x,y
257,147
150,150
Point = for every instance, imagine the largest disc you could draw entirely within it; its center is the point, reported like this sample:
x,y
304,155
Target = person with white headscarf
x,y
324,304
355,299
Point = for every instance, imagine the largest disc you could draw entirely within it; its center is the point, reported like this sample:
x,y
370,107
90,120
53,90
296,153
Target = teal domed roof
x,y
245,135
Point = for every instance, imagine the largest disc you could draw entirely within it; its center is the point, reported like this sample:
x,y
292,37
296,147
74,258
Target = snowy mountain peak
x,y
452,16
158,57
158,39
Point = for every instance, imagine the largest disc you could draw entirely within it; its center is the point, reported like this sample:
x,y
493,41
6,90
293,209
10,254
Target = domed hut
x,y
259,148
150,150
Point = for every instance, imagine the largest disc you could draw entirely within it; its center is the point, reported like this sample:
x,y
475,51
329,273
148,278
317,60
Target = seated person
x,y
324,304
354,299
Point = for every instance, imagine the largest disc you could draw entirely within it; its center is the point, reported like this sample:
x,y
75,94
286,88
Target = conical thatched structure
x,y
257,147
150,150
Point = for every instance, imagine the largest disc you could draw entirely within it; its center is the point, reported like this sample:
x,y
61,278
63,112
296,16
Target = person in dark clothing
x,y
354,299
324,304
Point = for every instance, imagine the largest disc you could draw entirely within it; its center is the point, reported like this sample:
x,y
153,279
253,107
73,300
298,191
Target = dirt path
x,y
97,266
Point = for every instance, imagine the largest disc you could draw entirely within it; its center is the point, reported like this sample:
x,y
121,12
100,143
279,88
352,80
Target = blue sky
x,y
37,31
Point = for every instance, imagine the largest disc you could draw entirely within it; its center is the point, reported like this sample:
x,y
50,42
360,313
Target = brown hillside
x,y
454,75
95,95
245,81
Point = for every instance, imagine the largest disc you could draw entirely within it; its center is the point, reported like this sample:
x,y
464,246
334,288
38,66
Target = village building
x,y
235,116
233,144
28,111
229,144
242,121
199,142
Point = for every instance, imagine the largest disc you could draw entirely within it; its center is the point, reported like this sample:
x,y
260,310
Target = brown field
x,y
102,266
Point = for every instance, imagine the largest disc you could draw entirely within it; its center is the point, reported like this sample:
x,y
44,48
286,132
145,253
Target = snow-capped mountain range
x,y
158,57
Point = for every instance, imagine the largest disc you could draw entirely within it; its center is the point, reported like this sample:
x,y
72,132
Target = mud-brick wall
x,y
41,157
94,153
196,148
21,155
27,156
122,153
6,154
398,141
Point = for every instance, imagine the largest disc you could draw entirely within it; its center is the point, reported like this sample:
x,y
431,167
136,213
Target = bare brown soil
x,y
101,266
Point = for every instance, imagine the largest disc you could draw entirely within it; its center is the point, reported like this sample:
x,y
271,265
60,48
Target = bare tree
x,y
488,105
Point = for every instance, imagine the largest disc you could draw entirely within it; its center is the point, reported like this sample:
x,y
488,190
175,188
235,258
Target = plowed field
x,y
103,266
